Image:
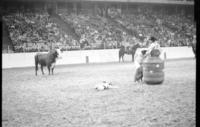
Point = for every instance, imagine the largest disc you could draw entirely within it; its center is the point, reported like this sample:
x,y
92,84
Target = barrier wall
x,y
14,60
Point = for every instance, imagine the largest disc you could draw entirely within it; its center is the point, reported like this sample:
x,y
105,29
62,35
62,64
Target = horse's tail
x,y
36,63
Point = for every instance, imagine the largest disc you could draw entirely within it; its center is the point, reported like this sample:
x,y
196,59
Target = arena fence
x,y
16,60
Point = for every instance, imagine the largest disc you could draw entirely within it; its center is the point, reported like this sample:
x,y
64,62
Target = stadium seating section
x,y
34,31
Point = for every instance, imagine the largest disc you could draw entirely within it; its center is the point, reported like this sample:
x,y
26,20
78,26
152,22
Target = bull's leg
x,y
36,71
49,69
52,67
36,68
42,69
52,70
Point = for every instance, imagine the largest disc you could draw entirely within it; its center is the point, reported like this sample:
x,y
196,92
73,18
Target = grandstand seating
x,y
35,31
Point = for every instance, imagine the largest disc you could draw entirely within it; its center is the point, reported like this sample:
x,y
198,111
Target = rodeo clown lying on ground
x,y
153,50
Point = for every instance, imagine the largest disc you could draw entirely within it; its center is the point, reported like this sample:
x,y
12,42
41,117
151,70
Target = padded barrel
x,y
151,77
153,70
153,66
155,53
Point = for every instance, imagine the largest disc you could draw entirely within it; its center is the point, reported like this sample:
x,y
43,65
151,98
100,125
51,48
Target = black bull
x,y
46,59
130,50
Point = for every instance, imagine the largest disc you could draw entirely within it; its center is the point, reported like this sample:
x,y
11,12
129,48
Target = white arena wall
x,y
16,60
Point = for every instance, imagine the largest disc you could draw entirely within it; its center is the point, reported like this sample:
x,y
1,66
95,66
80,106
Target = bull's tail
x,y
36,64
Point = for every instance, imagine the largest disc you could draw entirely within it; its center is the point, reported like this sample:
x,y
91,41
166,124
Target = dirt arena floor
x,y
68,98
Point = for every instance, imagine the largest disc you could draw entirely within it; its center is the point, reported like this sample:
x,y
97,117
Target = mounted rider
x,y
83,41
154,48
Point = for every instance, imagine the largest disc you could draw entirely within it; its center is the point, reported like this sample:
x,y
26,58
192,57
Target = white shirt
x,y
82,40
138,58
154,45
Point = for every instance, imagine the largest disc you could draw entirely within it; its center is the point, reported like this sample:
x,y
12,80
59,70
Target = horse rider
x,y
153,46
83,40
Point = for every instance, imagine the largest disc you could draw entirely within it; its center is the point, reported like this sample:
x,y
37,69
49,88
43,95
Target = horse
x,y
47,59
83,44
130,50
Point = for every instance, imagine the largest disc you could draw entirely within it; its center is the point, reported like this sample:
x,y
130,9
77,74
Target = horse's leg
x,y
36,68
36,64
133,56
123,58
42,69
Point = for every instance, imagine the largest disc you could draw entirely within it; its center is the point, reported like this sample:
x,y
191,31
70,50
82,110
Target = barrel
x,y
155,53
153,70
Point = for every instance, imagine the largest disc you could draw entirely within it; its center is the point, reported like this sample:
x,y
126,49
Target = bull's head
x,y
59,53
56,53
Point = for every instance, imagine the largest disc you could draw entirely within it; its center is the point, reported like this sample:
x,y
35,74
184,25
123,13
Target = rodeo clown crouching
x,y
153,51
139,57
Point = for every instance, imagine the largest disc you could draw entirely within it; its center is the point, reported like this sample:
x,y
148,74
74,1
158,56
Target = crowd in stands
x,y
31,32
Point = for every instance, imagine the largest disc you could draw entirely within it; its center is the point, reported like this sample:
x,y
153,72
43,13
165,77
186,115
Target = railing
x,y
19,49
11,60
